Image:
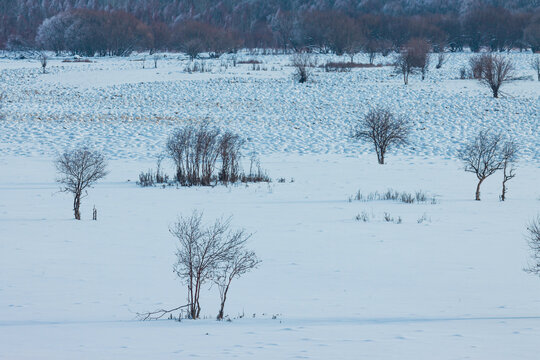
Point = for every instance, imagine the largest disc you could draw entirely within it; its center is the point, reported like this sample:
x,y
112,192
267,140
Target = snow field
x,y
449,287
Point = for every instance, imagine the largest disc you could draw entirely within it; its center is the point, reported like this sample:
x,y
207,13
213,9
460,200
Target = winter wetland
x,y
203,191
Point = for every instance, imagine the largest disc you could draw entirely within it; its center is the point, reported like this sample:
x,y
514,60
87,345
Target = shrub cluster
x,y
393,195
204,156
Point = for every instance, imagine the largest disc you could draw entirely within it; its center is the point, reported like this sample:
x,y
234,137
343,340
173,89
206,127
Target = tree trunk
x,y
223,299
76,206
478,190
503,195
221,309
381,158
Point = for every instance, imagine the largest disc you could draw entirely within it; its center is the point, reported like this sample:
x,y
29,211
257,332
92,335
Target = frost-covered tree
x,y
78,170
50,34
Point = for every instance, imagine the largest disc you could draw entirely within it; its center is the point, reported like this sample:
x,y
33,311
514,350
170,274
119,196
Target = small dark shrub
x,y
146,179
249,62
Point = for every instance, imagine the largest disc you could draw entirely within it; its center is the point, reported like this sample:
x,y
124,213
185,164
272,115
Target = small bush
x,y
303,64
256,173
363,216
423,218
249,62
146,179
389,218
346,66
464,73
197,67
76,61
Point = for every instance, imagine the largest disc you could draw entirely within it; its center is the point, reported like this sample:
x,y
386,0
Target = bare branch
x,y
534,245
158,314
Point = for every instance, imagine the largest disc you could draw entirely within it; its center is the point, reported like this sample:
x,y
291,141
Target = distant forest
x,y
118,27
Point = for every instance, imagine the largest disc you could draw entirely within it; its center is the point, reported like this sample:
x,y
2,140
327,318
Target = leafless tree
x,y
441,59
43,59
509,155
2,98
303,63
534,244
404,65
476,63
492,71
193,48
483,157
200,251
195,150
414,55
419,49
383,130
240,262
535,65
229,149
156,58
79,169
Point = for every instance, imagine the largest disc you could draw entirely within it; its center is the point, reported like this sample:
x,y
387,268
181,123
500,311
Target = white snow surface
x,y
329,287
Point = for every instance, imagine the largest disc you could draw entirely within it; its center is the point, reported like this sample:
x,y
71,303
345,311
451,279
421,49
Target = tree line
x,y
100,27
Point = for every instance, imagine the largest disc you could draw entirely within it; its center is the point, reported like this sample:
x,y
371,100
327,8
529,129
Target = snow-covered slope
x,y
446,283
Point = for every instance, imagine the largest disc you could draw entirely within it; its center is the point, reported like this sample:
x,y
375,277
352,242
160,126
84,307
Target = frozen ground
x,y
116,98
451,287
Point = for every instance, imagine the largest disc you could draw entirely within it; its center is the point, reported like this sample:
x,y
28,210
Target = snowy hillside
x,y
441,280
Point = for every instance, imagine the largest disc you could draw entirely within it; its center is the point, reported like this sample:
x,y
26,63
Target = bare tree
x,y
2,98
535,65
240,262
200,252
156,58
492,71
303,64
414,55
534,244
195,150
483,157
229,149
43,59
419,49
404,65
509,155
383,130
79,169
193,48
441,59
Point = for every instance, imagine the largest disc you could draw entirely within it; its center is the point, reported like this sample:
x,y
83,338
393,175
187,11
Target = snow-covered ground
x,y
450,286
